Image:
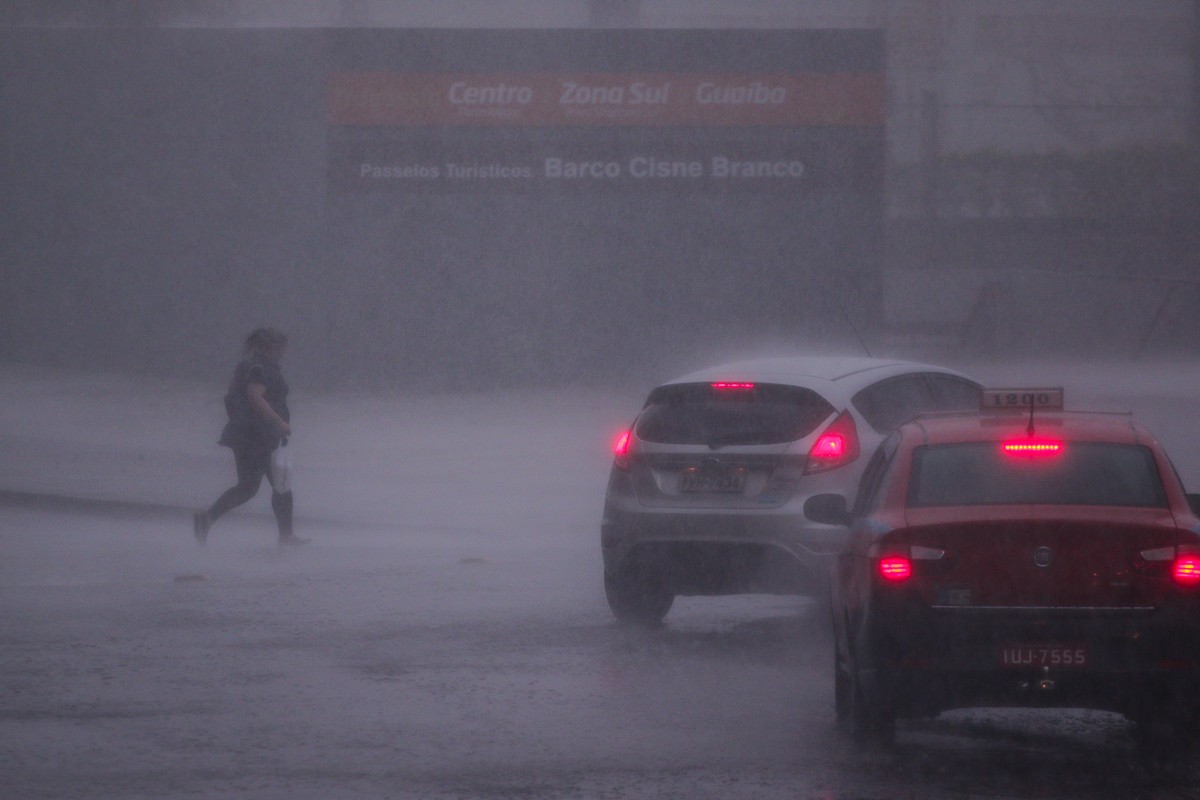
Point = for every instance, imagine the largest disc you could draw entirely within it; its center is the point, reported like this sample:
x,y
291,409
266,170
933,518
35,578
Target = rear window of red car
x,y
1083,473
746,414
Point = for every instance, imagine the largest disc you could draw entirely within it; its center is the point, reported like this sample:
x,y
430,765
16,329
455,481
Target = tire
x,y
637,602
864,721
1164,735
870,725
841,694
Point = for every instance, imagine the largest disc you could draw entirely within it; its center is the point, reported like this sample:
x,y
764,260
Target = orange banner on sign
x,y
620,99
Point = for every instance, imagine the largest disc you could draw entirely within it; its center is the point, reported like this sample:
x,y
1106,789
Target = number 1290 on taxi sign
x,y
1043,398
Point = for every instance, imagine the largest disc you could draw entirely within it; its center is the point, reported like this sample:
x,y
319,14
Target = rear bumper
x,y
712,552
1137,661
926,692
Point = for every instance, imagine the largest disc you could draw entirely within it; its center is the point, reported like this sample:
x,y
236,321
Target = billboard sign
x,y
725,122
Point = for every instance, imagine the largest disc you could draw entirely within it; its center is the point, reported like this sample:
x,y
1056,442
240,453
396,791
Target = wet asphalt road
x,y
449,638
393,663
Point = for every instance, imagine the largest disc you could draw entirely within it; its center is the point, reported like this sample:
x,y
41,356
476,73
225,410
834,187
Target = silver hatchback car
x,y
708,487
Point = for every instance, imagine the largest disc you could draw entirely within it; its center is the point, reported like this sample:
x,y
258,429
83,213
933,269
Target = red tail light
x,y
895,568
836,446
728,386
1186,570
621,450
1184,563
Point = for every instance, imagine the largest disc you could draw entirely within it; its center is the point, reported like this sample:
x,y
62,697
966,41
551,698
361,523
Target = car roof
x,y
812,371
990,426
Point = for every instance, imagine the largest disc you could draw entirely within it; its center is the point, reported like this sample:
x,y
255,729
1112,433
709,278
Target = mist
x,y
489,229
175,180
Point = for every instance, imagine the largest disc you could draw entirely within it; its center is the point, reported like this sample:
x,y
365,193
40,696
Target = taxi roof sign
x,y
1026,399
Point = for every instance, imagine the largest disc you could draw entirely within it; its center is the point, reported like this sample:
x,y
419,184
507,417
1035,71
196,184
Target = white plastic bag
x,y
281,469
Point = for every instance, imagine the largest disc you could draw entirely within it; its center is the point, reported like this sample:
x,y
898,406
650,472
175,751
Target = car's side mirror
x,y
1194,503
829,509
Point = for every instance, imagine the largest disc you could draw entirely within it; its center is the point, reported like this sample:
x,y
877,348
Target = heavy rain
x,y
488,231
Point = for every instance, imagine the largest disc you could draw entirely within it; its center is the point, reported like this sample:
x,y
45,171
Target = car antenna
x,y
849,322
854,328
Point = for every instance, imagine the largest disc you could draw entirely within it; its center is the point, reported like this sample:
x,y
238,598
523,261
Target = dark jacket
x,y
246,428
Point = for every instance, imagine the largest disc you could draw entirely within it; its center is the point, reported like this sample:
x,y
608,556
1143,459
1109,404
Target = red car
x,y
1028,558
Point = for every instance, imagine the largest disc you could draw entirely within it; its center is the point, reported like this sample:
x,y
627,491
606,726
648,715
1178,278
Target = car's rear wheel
x,y
865,721
870,724
1164,734
637,601
841,694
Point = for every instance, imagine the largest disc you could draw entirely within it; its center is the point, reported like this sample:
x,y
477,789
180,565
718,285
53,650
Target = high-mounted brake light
x,y
836,446
621,450
895,568
1031,447
726,386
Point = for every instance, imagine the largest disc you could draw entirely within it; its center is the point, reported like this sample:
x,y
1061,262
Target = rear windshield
x,y
1085,473
699,413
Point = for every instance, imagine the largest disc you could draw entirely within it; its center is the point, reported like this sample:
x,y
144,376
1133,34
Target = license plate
x,y
695,479
1071,656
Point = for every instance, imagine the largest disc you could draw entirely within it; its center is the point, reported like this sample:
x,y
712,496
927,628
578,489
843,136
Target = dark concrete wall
x,y
164,191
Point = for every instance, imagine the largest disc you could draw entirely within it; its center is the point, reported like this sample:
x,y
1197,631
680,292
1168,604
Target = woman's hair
x,y
261,340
